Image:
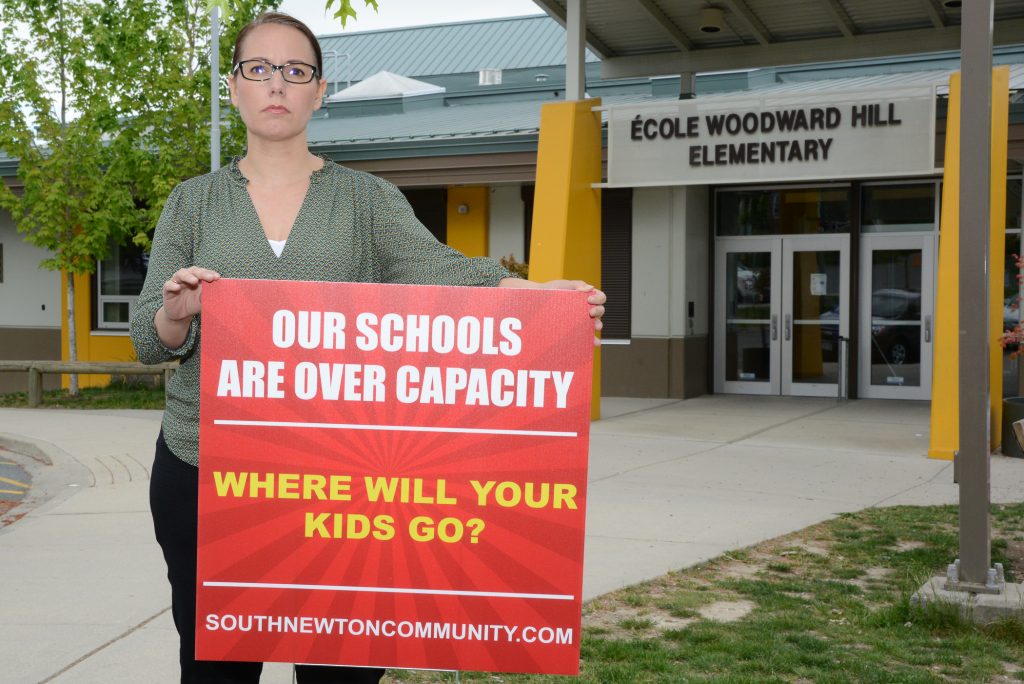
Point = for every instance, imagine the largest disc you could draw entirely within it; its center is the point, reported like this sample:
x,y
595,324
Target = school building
x,y
770,182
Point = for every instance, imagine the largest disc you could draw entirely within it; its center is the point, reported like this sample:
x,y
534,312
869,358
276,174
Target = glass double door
x,y
781,312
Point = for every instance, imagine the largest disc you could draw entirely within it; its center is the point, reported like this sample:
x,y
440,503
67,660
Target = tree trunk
x,y
72,336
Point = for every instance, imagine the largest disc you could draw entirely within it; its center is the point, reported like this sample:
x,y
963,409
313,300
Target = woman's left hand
x,y
596,299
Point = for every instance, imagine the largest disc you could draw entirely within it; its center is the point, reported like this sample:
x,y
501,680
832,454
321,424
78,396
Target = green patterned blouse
x,y
352,227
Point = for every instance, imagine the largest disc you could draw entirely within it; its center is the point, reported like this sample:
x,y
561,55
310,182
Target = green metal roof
x,y
460,129
440,122
467,126
443,49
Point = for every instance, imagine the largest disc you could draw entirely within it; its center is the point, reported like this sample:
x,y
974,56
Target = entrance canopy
x,y
659,37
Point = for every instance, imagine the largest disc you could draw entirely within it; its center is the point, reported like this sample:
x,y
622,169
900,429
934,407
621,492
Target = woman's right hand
x,y
183,292
183,295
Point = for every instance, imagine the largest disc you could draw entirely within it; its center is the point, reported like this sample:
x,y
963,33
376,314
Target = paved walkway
x,y
84,600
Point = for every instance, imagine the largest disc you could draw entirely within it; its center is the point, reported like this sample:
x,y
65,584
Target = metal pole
x,y
575,45
842,355
687,85
975,191
214,88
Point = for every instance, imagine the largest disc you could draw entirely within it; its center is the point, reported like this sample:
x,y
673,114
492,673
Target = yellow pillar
x,y
566,234
945,422
468,219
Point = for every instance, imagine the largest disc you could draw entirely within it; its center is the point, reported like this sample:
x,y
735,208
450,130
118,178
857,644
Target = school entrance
x,y
805,305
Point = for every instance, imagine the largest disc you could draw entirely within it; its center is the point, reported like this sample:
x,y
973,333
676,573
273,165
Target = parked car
x,y
890,342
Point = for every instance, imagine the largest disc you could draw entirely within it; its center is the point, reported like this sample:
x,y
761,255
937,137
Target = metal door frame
x,y
781,249
813,243
723,247
870,242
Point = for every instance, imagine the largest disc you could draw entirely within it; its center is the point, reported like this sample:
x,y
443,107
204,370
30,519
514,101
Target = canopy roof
x,y
656,37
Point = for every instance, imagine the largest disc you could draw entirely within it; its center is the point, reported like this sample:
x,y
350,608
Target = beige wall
x,y
507,215
37,344
29,295
656,367
29,308
667,355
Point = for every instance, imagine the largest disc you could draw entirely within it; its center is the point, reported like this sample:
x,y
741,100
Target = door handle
x,y
928,329
775,327
789,326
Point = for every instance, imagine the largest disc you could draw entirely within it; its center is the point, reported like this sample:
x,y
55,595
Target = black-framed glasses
x,y
262,70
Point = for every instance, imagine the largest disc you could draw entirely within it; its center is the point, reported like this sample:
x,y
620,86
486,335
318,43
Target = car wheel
x,y
898,353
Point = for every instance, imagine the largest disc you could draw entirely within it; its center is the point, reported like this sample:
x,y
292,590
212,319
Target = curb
x,y
55,475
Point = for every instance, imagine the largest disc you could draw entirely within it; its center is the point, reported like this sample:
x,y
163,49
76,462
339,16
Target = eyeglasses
x,y
262,70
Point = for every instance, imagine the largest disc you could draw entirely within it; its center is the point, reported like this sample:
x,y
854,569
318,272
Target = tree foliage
x,y
345,9
106,106
54,119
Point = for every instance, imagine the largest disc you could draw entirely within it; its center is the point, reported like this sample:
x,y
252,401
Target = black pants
x,y
174,500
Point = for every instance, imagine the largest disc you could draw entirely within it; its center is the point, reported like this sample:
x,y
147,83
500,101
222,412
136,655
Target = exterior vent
x,y
490,77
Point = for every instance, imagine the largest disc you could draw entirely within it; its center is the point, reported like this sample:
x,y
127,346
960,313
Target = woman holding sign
x,y
280,213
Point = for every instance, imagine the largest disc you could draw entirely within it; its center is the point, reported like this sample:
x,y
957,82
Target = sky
x,y
399,13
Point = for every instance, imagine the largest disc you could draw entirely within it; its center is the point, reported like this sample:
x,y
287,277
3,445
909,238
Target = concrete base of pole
x,y
980,609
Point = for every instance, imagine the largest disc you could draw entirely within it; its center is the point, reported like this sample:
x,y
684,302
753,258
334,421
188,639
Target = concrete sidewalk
x,y
82,584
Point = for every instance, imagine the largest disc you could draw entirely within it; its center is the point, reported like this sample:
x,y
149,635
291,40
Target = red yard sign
x,y
393,475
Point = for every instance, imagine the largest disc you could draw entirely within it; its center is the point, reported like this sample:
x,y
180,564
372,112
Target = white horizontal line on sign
x,y
389,590
396,428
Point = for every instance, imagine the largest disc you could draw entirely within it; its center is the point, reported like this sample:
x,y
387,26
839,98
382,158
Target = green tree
x,y
106,107
57,119
168,99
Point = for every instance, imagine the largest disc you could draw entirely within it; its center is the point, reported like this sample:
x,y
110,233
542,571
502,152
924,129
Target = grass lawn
x,y
830,603
118,395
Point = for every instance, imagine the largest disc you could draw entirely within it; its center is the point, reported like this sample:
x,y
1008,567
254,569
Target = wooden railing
x,y
36,370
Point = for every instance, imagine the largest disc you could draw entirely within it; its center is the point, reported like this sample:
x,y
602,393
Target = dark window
x,y
1014,189
789,211
901,207
617,261
431,208
526,193
119,280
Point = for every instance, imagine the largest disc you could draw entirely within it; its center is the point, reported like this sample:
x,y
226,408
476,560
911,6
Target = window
x,y
430,205
899,207
1012,378
119,280
617,262
784,211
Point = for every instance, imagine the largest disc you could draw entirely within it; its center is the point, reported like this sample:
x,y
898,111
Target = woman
x,y
280,212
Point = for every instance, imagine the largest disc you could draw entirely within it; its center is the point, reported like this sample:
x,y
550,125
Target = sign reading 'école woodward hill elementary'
x,y
393,475
785,137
